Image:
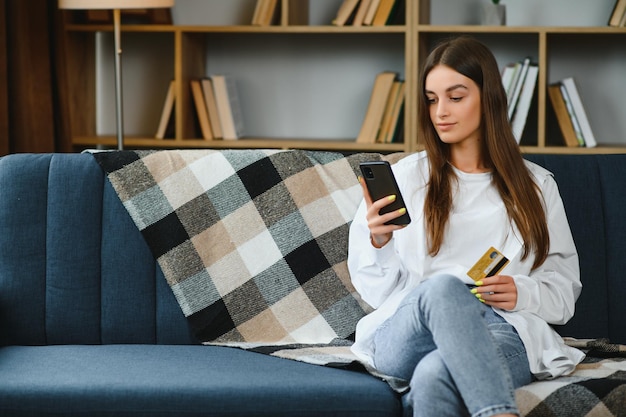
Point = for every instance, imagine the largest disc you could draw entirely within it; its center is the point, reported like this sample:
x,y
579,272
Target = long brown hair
x,y
500,151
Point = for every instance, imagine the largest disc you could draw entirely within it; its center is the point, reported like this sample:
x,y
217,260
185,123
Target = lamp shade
x,y
114,4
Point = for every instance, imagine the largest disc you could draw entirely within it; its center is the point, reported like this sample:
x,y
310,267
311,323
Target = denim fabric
x,y
460,357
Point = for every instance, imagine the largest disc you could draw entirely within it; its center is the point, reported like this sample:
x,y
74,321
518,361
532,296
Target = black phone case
x,y
381,183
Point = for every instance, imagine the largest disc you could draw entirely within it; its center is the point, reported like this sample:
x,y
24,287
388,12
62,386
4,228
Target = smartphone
x,y
381,183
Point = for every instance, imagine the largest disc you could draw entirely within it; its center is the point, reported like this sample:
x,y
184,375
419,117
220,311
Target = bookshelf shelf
x,y
239,29
313,144
576,30
574,151
300,54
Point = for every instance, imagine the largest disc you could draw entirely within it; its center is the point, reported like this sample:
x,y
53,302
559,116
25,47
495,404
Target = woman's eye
x,y
455,99
431,100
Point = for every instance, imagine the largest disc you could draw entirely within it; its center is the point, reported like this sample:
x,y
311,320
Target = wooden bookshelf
x,y
191,50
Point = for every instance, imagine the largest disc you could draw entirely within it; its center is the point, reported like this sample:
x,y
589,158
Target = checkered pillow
x,y
252,242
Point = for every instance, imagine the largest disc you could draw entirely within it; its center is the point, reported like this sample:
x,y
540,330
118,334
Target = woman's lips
x,y
445,126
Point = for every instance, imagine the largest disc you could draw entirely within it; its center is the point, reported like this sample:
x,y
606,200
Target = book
x,y
383,13
398,13
562,115
201,110
383,84
525,99
510,75
572,114
165,127
211,105
346,10
386,119
398,134
519,82
579,110
396,115
618,16
264,12
361,11
371,12
507,78
395,102
228,108
270,14
258,10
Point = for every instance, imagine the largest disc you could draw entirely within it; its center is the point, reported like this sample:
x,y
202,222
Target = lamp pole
x,y
116,6
118,79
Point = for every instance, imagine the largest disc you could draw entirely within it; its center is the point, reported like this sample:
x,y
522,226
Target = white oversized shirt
x,y
383,277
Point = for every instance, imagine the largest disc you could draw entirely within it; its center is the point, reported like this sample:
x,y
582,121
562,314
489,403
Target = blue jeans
x,y
459,356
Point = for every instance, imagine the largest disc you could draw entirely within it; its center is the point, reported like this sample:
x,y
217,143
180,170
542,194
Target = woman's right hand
x,y
380,233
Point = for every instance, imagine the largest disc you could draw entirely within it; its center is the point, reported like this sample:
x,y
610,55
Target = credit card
x,y
490,264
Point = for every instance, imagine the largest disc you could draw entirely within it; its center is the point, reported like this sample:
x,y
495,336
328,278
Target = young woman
x,y
462,347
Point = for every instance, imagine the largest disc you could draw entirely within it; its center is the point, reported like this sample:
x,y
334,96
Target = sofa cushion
x,y
162,380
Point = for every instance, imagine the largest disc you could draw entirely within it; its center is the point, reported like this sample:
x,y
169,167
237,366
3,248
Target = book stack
x,y
570,114
265,12
520,81
618,16
227,104
384,121
217,108
370,13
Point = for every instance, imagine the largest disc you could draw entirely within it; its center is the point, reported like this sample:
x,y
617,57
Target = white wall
x,y
525,12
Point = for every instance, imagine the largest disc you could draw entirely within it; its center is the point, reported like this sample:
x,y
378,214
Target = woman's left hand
x,y
498,291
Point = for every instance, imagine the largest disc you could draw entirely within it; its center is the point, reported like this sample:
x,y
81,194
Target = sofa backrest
x,y
74,269
593,188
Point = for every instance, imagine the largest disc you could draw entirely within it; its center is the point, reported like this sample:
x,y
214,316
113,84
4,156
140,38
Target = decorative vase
x,y
494,14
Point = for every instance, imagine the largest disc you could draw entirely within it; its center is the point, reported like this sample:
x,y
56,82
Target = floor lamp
x,y
116,6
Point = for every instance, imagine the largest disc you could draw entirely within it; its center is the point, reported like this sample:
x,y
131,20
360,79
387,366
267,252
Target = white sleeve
x,y
551,290
375,273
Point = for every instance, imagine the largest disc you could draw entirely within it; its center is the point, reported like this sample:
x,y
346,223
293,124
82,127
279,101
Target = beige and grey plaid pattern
x,y
597,388
252,242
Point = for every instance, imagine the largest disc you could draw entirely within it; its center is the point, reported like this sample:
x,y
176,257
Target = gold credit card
x,y
490,264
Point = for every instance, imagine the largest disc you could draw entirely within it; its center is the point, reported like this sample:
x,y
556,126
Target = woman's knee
x,y
440,286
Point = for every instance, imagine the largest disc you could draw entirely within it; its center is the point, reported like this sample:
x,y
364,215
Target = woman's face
x,y
454,105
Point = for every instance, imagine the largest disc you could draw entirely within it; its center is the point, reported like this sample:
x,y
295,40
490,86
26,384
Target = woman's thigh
x,y
511,347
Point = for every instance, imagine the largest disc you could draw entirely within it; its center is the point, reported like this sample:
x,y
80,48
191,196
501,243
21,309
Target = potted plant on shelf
x,y
494,13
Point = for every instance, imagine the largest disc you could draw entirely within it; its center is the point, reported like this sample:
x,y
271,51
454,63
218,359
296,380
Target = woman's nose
x,y
442,109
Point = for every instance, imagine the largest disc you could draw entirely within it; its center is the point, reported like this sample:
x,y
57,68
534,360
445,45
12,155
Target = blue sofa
x,y
72,343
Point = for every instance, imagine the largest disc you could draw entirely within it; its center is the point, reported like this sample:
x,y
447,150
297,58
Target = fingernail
x,y
392,197
474,291
481,300
402,210
479,296
479,283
